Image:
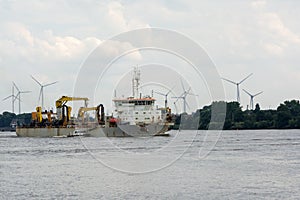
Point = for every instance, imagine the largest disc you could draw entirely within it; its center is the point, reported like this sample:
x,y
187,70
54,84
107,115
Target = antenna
x,y
18,96
42,89
136,82
237,85
252,97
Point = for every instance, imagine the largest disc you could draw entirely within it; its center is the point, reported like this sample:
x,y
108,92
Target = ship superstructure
x,y
137,110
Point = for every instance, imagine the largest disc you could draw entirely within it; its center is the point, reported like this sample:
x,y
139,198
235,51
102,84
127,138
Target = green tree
x,y
288,114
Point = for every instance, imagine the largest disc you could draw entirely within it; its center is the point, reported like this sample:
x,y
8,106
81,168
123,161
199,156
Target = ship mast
x,y
136,82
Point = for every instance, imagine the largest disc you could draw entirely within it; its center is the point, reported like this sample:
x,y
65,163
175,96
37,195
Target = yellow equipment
x,y
99,116
64,111
64,99
39,116
83,110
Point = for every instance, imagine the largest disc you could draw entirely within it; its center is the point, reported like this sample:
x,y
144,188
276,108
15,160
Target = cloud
x,y
279,36
278,29
273,49
258,4
277,39
115,48
17,42
116,16
241,37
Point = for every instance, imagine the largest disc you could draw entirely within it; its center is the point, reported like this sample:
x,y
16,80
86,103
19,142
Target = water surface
x,y
262,164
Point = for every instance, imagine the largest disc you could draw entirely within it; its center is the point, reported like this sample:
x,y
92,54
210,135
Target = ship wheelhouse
x,y
137,111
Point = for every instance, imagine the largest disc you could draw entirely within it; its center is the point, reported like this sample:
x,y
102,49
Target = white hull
x,y
44,132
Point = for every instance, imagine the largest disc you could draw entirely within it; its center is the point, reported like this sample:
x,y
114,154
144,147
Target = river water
x,y
262,164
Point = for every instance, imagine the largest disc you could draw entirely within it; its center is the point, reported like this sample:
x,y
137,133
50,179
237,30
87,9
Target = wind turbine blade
x,y
159,93
13,89
25,91
36,80
41,91
187,105
7,97
16,86
229,81
177,98
16,97
182,85
247,92
188,92
245,78
176,101
196,95
257,94
50,84
170,91
182,95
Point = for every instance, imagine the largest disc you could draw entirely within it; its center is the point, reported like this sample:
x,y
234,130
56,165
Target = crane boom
x,y
64,99
82,110
99,115
64,111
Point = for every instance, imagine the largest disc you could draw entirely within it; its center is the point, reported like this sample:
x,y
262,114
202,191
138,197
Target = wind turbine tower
x,y
13,98
183,97
18,96
252,97
42,89
165,95
237,85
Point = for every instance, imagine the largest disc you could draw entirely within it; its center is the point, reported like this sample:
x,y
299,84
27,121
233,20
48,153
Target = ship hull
x,y
128,131
44,132
98,131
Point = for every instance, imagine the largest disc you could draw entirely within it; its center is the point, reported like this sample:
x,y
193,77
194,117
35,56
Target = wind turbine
x,y
165,95
252,97
13,98
18,96
42,89
183,96
237,85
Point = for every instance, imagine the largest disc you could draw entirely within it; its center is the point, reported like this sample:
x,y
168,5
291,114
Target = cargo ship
x,y
135,116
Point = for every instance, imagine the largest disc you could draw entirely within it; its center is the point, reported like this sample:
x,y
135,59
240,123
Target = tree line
x,y
8,118
286,116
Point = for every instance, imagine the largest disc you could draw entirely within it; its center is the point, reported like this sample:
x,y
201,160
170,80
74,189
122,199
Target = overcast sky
x,y
51,39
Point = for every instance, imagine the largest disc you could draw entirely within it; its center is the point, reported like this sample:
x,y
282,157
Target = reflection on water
x,y
242,165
